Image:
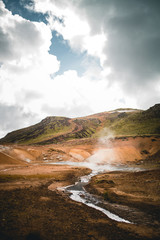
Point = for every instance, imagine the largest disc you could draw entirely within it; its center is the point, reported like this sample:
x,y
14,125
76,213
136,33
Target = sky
x,y
77,57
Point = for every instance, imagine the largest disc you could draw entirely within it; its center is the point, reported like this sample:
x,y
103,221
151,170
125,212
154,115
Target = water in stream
x,y
78,193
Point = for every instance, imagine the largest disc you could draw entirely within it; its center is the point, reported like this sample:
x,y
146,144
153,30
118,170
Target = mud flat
x,y
30,210
132,195
31,207
38,213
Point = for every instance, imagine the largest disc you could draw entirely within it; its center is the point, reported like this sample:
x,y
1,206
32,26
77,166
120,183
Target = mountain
x,y
135,122
122,122
52,130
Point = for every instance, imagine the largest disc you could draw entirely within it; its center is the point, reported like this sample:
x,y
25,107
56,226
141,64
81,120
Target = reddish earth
x,y
32,208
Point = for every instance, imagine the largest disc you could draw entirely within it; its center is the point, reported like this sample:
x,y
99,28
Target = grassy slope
x,y
134,124
52,130
49,127
57,129
82,129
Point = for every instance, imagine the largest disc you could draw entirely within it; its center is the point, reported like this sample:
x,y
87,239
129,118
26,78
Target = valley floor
x,y
37,213
31,207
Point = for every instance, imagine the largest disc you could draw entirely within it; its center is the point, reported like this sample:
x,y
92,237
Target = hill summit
x,y
122,122
153,111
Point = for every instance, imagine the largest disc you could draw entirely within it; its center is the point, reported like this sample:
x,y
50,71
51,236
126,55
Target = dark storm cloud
x,y
5,48
18,40
133,32
134,43
12,118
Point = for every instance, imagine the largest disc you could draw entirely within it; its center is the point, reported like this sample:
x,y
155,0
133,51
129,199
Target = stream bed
x,y
78,193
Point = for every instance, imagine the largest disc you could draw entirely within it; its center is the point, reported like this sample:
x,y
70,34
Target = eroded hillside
x,y
122,122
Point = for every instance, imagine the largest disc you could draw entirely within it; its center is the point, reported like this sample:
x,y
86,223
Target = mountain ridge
x,y
122,122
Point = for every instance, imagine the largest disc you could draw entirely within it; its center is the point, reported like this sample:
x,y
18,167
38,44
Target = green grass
x,y
46,129
58,129
47,135
106,196
133,124
16,177
8,178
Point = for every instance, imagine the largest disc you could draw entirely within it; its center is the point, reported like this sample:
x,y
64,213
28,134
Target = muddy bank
x,y
48,215
32,208
126,150
135,195
36,175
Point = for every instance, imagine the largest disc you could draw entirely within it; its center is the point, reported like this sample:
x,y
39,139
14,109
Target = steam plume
x,y
104,152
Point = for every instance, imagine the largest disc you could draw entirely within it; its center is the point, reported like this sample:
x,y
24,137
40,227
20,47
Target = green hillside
x,y
81,128
122,122
47,128
133,124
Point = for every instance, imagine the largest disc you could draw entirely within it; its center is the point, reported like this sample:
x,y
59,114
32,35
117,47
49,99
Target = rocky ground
x,y
38,213
133,195
31,207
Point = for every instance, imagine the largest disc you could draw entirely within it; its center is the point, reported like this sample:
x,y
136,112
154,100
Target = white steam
x,y
106,137
104,153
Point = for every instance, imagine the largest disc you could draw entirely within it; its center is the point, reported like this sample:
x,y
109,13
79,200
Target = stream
x,y
78,193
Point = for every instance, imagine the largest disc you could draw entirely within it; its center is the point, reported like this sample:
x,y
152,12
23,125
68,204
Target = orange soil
x,y
125,150
17,175
5,159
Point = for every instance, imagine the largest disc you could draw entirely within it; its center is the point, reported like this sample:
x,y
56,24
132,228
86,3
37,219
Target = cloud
x,y
25,65
132,50
83,95
13,117
119,38
27,89
25,44
64,18
25,72
123,34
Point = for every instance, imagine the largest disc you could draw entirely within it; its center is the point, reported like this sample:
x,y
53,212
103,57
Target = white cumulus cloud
x,y
65,18
124,35
121,43
25,63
